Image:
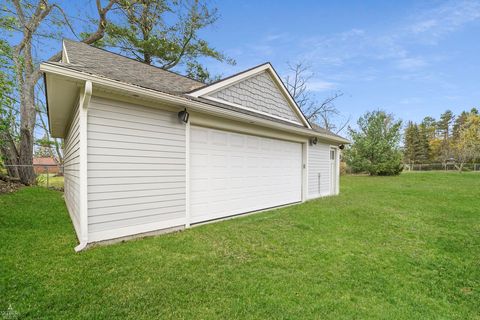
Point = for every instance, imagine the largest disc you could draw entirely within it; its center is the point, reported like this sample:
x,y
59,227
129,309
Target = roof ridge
x,y
132,59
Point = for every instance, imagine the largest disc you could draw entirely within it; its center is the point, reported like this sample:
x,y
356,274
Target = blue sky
x,y
410,58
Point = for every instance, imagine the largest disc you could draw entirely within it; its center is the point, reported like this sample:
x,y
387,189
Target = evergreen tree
x,y
444,129
409,143
166,34
458,124
443,125
425,154
430,126
416,146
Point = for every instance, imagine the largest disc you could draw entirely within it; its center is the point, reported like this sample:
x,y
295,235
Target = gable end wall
x,y
259,93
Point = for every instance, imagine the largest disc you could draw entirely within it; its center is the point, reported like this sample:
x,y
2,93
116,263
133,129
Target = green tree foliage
x,y
429,126
375,147
166,34
467,140
444,130
25,25
452,137
416,144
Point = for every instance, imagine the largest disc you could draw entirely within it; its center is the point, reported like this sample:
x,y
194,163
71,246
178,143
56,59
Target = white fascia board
x,y
64,53
252,110
288,96
182,102
204,92
229,81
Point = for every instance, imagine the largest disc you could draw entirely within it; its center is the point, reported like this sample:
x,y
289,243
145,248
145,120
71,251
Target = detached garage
x,y
147,149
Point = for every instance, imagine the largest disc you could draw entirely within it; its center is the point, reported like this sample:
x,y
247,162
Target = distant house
x,y
148,149
45,164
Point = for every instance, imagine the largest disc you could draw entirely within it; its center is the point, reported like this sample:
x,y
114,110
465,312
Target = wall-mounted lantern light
x,y
183,116
341,147
313,141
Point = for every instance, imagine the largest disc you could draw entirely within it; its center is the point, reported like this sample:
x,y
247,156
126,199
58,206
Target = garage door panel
x,y
232,173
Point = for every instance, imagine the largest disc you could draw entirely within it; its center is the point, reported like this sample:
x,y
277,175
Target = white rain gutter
x,y
182,102
83,113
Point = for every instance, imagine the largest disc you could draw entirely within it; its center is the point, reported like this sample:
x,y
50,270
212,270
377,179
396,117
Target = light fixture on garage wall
x,y
183,116
341,147
313,141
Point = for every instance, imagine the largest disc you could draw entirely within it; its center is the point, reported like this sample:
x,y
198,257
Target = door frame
x,y
335,173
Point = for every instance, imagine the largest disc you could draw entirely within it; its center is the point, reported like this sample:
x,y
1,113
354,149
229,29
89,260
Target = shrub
x,y
375,148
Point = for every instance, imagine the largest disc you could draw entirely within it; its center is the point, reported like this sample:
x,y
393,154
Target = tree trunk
x,y
27,124
27,174
10,155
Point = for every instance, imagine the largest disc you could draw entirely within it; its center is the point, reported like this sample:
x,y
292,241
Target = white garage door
x,y
232,173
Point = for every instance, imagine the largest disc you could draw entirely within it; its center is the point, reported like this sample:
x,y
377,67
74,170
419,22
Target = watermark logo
x,y
10,313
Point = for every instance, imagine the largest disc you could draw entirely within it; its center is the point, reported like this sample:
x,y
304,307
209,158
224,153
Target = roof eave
x,y
134,90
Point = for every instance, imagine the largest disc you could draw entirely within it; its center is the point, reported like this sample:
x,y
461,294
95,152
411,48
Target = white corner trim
x,y
305,170
250,109
203,92
64,53
187,175
83,197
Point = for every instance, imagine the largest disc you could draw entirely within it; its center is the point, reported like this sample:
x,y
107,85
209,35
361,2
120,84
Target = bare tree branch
x,y
320,112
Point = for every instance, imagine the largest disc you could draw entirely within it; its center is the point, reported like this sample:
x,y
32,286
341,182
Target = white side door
x,y
333,171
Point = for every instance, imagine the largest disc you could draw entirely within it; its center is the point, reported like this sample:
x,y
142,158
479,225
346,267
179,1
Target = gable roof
x,y
85,61
89,59
212,91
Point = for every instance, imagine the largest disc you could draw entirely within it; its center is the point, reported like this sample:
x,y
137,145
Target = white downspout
x,y
83,113
187,175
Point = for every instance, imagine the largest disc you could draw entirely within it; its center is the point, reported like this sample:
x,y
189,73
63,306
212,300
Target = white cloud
x,y
277,36
320,85
411,63
431,25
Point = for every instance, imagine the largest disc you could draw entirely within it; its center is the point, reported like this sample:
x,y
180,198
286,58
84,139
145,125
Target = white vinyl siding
x,y
318,170
136,169
233,173
71,169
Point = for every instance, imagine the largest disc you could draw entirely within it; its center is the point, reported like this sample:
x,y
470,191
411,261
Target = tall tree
x,y
467,143
425,154
410,138
416,143
444,129
429,125
375,147
23,20
458,124
166,34
322,112
8,112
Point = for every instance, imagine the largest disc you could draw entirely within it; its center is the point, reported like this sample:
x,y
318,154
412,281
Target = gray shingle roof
x,y
96,61
85,58
317,128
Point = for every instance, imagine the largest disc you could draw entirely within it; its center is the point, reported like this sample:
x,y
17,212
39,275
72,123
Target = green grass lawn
x,y
50,180
404,247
